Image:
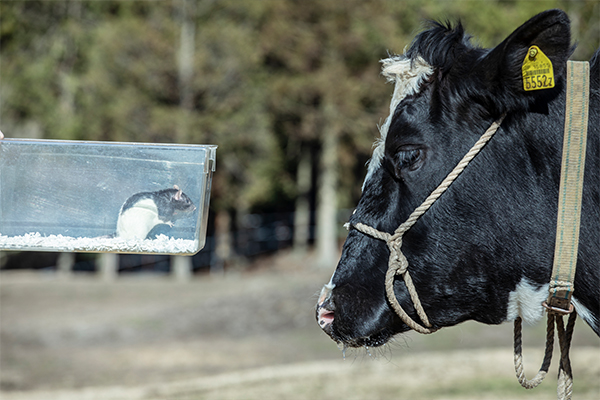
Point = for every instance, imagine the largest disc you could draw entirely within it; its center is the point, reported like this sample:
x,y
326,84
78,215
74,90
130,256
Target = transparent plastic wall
x,y
104,196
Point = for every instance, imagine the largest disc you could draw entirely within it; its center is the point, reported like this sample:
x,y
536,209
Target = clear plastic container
x,y
104,196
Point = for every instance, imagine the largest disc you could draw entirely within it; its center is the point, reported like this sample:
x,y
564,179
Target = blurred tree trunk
x,y
241,239
181,266
327,198
302,214
223,242
185,62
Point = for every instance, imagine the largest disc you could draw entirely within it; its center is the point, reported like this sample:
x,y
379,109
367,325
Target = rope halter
x,y
398,264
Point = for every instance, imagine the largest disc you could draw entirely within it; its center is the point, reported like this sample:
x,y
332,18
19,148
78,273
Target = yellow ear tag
x,y
537,70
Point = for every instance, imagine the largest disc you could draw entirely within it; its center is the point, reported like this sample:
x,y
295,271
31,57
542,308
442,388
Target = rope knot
x,y
397,260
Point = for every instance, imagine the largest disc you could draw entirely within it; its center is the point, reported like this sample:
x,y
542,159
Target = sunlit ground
x,y
244,336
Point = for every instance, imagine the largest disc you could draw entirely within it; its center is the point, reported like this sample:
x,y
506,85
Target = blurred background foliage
x,y
267,81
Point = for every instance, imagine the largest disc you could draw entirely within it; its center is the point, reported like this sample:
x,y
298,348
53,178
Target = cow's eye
x,y
408,159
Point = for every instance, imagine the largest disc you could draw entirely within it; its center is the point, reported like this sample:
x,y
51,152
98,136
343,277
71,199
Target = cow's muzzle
x,y
325,311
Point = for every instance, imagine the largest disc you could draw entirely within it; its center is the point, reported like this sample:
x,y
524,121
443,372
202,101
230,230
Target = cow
x,y
484,250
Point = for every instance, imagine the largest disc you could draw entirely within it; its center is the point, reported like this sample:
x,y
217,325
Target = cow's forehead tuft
x,y
407,74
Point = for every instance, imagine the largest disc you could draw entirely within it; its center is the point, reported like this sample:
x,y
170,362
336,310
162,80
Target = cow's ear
x,y
501,69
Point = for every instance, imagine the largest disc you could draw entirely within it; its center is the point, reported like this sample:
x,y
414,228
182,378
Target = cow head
x,y
492,227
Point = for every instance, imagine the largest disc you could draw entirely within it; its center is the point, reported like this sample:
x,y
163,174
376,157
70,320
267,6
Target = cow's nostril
x,y
326,308
325,317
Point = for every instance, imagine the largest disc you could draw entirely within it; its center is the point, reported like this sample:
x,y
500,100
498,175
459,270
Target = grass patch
x,y
501,387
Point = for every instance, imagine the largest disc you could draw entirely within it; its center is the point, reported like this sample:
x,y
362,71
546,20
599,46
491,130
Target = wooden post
x,y
107,265
64,264
181,268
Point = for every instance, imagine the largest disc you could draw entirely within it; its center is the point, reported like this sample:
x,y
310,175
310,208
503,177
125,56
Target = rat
x,y
143,211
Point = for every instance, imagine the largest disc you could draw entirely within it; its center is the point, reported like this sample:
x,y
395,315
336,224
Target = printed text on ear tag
x,y
537,70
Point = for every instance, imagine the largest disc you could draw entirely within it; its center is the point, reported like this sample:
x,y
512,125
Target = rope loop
x,y
565,374
518,352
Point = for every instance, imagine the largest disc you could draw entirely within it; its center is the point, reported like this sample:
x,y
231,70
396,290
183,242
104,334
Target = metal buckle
x,y
559,310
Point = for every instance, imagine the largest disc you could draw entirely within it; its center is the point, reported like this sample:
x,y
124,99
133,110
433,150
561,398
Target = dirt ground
x,y
243,336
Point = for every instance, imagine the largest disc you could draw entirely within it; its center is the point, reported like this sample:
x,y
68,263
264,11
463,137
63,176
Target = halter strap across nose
x,y
397,263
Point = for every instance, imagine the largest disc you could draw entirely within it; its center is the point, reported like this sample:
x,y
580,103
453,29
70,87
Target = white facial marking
x,y
408,75
325,292
330,284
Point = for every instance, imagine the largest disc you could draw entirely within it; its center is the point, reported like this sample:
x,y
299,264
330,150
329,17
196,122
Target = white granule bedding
x,y
35,241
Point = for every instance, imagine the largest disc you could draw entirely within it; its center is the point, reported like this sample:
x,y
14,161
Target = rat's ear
x,y
177,196
175,187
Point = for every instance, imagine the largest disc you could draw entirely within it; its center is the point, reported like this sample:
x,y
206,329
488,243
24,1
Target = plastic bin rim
x,y
210,149
109,143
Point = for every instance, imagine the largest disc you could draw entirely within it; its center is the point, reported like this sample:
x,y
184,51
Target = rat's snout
x,y
325,311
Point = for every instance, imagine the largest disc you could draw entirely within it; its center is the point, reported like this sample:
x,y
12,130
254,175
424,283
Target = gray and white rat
x,y
143,211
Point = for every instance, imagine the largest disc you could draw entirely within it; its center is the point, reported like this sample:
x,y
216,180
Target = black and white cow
x,y
484,251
